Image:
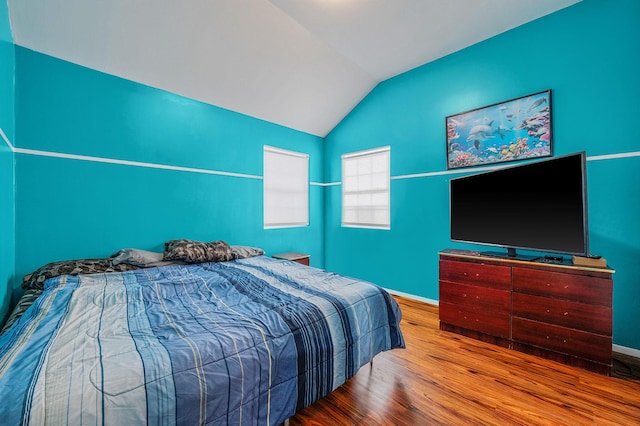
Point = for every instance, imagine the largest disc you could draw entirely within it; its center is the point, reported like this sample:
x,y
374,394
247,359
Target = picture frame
x,y
513,130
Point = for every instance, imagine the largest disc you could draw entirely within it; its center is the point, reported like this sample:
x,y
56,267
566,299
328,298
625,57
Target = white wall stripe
x,y
6,140
614,156
249,176
445,172
328,184
131,163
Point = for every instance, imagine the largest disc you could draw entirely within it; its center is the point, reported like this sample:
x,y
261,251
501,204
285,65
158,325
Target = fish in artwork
x,y
535,122
537,103
541,131
476,144
456,122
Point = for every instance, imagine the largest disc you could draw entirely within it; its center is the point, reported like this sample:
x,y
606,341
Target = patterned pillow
x,y
196,251
37,278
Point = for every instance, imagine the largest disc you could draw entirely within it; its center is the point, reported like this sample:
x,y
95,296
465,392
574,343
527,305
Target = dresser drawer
x,y
591,318
568,341
476,298
579,288
491,276
487,322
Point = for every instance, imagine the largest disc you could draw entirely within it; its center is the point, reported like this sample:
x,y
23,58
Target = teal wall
x,y
69,208
589,55
7,123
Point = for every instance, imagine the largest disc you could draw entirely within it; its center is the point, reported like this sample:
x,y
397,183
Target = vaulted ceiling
x,y
303,64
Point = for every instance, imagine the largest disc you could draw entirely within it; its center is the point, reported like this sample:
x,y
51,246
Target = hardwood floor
x,y
444,378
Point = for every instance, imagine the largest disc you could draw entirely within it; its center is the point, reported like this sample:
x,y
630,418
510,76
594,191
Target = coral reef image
x,y
510,131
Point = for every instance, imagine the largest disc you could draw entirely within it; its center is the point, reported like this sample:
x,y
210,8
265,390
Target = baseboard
x,y
616,348
626,351
414,297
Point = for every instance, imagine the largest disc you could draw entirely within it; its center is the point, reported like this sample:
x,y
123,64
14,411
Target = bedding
x,y
33,283
248,341
26,300
122,260
37,278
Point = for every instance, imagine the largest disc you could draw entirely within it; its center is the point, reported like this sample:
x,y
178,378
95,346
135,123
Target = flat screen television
x,y
539,206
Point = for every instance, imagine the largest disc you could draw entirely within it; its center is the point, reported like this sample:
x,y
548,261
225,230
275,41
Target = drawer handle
x,y
566,313
547,311
477,275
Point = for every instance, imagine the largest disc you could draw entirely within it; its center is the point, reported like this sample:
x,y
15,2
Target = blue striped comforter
x,y
245,342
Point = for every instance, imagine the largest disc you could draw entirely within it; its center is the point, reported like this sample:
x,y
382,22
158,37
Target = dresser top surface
x,y
566,264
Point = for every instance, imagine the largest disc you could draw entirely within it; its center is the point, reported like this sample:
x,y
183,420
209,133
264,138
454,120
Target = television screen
x,y
540,206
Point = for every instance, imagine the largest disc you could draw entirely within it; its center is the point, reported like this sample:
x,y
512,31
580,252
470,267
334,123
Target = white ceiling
x,y
303,64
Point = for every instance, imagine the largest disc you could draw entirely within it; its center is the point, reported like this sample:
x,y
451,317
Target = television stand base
x,y
509,255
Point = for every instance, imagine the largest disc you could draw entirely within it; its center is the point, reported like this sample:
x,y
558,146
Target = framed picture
x,y
513,130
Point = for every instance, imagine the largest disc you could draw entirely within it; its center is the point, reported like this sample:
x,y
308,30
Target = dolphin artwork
x,y
483,132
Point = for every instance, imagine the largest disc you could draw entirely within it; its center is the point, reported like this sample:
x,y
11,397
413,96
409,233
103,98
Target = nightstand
x,y
294,257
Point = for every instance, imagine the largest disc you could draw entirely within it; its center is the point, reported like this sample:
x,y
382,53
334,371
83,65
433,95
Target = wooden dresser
x,y
557,311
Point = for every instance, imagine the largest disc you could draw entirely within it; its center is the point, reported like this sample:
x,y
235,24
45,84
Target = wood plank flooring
x,y
444,378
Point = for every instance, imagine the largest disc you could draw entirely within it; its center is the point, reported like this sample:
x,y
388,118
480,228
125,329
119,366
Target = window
x,y
366,188
286,188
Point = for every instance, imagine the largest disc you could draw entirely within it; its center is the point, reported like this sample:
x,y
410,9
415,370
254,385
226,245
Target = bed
x,y
246,341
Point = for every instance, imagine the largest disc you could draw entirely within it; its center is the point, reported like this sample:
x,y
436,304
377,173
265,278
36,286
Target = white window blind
x,y
366,189
286,188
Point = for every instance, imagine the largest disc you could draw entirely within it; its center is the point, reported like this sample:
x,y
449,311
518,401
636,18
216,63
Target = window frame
x,y
273,223
386,191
